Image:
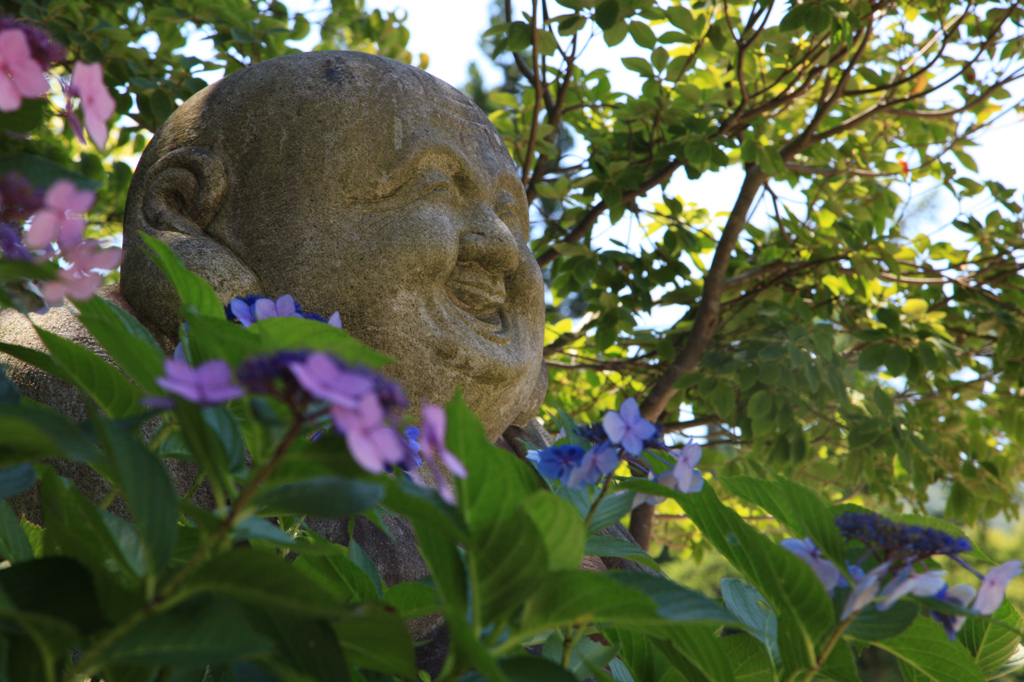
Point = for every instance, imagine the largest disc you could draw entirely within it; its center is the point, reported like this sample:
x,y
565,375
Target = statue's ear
x,y
175,201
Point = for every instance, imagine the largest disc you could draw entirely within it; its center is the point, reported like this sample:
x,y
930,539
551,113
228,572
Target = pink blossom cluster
x,y
26,53
57,218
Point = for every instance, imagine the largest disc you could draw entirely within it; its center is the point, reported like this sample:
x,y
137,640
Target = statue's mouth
x,y
480,296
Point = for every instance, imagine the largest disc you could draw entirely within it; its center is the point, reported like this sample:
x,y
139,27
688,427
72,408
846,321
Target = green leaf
x,y
927,653
57,587
520,36
35,358
14,544
606,545
747,604
840,665
129,344
336,574
334,497
498,481
146,488
192,289
642,34
702,648
606,14
872,624
640,65
507,563
611,510
805,512
989,642
365,564
750,659
42,172
31,431
9,393
266,580
560,527
789,584
375,638
302,645
200,632
293,333
104,383
412,600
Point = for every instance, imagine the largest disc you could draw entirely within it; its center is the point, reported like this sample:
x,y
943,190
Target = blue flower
x,y
11,245
252,308
894,540
628,428
559,461
826,571
599,460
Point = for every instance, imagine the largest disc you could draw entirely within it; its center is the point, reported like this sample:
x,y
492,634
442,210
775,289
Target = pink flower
x,y
97,103
325,379
79,282
20,74
60,219
372,444
434,448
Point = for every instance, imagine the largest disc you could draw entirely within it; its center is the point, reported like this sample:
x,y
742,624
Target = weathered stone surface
x,y
360,184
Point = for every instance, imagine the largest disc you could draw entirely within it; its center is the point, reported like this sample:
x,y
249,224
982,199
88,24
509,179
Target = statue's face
x,y
413,223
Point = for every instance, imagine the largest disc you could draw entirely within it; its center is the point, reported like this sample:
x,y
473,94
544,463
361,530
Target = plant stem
x,y
165,598
597,502
829,646
571,638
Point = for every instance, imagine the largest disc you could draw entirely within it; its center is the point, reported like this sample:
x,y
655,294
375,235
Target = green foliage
x,y
823,339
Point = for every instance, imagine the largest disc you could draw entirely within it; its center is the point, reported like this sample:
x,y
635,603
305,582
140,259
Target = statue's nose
x,y
489,243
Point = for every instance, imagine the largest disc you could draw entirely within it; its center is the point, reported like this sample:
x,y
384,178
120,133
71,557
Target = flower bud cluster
x,y
900,550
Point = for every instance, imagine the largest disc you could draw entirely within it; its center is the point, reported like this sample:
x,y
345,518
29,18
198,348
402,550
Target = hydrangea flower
x,y
78,281
865,590
18,198
325,379
20,74
628,428
251,309
596,462
993,587
44,50
958,595
210,383
435,450
60,219
97,103
373,444
11,245
688,478
924,584
826,571
898,541
558,461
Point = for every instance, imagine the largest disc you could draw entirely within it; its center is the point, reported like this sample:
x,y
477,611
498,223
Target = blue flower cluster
x,y
897,540
898,548
620,435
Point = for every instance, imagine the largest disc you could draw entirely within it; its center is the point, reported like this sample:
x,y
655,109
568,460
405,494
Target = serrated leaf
x,y
990,643
925,650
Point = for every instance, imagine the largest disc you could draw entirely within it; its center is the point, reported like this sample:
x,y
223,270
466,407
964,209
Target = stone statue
x,y
354,183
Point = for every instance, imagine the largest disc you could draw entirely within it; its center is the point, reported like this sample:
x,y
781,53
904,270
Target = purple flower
x,y
11,245
558,461
688,478
865,590
628,428
251,309
958,595
208,384
826,571
18,198
435,423
325,379
925,584
373,445
596,462
666,478
993,587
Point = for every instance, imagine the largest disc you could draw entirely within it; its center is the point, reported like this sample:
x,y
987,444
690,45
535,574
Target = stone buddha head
x,y
359,184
